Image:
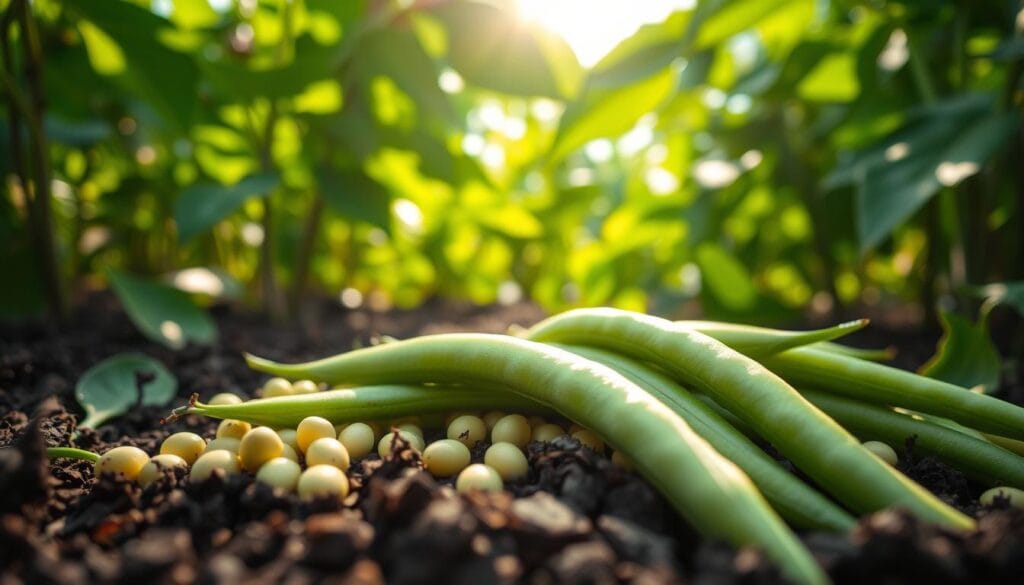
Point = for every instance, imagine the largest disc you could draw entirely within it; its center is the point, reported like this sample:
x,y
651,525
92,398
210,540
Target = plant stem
x,y
303,261
268,282
31,107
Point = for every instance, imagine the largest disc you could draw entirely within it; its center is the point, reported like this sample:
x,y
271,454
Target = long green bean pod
x,y
362,403
763,341
759,342
799,430
881,384
713,494
794,499
978,459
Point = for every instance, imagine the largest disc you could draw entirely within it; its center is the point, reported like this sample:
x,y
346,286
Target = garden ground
x,y
576,519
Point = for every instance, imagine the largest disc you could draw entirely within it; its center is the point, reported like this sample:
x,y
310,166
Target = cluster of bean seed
x,y
327,450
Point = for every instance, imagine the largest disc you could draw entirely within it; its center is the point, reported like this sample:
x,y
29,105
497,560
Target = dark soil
x,y
577,518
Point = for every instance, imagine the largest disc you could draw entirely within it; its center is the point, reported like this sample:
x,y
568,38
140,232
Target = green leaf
x,y
355,196
965,355
202,205
163,77
610,112
109,389
888,195
725,277
162,313
652,48
940,144
731,18
833,79
494,49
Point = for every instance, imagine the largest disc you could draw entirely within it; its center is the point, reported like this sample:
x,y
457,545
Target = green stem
x,y
71,453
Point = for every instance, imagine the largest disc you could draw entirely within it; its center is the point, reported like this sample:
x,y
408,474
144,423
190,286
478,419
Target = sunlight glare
x,y
593,27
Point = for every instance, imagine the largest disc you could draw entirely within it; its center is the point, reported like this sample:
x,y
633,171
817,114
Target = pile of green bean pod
x,y
715,496
881,384
626,376
794,499
800,431
978,459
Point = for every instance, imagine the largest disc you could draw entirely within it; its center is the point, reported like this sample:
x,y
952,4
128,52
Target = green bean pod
x,y
713,494
363,403
759,342
799,430
795,500
977,458
762,341
881,384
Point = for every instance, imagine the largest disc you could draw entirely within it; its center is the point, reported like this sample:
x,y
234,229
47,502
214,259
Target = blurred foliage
x,y
756,156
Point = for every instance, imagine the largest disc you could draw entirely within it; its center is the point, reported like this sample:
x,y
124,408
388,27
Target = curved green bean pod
x,y
978,459
72,453
758,342
794,499
762,341
800,431
713,494
881,384
362,403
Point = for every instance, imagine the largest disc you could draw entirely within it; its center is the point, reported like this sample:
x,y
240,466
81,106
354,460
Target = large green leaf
x,y
642,54
888,195
356,196
112,387
725,277
610,112
202,205
492,48
725,19
162,313
965,355
939,144
163,77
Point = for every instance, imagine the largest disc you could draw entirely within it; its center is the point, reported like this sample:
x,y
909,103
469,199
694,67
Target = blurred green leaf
x,y
494,49
202,205
645,53
965,355
165,78
610,112
891,193
162,313
725,19
725,277
833,79
355,196
110,388
941,144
